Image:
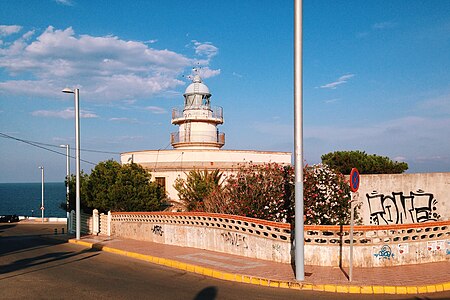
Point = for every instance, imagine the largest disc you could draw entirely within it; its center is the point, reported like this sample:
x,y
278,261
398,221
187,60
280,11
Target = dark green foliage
x,y
197,186
72,192
116,187
344,161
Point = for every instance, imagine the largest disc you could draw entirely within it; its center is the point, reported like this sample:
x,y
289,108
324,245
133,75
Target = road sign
x,y
354,180
354,185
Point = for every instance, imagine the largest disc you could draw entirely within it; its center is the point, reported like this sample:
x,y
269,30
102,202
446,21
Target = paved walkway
x,y
411,279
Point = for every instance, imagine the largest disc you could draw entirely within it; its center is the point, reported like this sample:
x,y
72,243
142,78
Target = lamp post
x,y
77,158
42,192
68,181
298,142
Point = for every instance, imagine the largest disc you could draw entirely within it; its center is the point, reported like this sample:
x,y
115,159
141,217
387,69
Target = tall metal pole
x,y
42,193
352,223
68,181
298,143
76,92
77,158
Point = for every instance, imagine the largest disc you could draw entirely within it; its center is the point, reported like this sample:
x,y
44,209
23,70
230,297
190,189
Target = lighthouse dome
x,y
197,87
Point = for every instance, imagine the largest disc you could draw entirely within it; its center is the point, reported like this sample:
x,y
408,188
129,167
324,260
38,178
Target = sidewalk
x,y
410,279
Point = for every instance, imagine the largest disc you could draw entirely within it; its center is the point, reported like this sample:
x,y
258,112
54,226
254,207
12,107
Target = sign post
x,y
354,185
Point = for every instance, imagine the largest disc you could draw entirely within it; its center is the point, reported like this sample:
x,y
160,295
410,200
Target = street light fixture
x,y
77,158
68,181
42,192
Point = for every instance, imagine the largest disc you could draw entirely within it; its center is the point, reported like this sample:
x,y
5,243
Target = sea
x,y
24,199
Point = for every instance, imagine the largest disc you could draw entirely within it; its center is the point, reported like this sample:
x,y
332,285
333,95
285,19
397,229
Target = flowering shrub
x,y
326,196
267,192
257,191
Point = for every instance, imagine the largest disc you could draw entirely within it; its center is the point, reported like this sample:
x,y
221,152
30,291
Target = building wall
x,y
404,198
173,164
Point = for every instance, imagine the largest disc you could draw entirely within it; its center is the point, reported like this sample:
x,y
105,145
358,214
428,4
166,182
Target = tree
x,y
344,161
72,193
196,187
115,187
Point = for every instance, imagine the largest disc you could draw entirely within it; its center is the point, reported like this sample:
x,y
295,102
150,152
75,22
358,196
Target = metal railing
x,y
197,137
215,112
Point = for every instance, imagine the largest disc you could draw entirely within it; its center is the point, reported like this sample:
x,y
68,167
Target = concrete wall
x,y
223,233
378,246
404,198
374,246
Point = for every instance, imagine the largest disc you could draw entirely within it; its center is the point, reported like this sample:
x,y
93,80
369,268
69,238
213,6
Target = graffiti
x,y
156,229
403,249
234,239
276,247
384,253
417,207
435,245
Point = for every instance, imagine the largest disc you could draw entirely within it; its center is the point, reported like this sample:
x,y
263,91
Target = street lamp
x,y
298,143
68,181
77,158
42,192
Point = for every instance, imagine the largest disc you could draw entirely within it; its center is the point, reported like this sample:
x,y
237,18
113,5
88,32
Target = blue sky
x,y
376,77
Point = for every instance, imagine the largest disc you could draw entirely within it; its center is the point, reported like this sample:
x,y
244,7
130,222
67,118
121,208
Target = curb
x,y
333,288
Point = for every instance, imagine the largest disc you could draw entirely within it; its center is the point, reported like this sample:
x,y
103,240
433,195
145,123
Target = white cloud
x,y
330,101
206,72
68,113
440,105
205,49
105,68
6,30
406,138
341,80
156,109
383,25
124,120
65,2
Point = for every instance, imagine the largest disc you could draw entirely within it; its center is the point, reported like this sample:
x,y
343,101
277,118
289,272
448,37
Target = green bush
x,y
115,187
344,161
198,184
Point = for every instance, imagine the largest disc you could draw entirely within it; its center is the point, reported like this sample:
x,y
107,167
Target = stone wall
x,y
404,198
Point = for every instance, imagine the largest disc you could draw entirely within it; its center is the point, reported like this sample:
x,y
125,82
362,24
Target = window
x,y
161,181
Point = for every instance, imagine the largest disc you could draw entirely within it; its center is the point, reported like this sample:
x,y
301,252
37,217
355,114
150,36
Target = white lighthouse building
x,y
197,119
197,144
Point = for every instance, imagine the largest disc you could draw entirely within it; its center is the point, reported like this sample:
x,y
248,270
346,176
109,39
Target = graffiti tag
x,y
156,229
397,208
384,253
235,239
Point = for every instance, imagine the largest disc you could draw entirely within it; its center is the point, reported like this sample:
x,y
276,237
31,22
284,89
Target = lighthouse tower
x,y
197,120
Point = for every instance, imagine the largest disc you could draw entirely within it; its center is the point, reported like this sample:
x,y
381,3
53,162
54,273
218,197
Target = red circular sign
x,y
354,180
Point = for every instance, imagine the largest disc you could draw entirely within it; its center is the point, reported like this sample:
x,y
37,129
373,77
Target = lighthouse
x,y
197,120
196,145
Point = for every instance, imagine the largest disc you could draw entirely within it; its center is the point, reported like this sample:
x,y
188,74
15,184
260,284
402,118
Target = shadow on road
x,y
209,293
44,260
17,240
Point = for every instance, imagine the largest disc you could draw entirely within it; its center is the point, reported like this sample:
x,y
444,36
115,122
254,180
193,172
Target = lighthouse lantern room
x,y
197,120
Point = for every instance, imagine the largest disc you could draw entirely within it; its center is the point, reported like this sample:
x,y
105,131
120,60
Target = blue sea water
x,y
24,199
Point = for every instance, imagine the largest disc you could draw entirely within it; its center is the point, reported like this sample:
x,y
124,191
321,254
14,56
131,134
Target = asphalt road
x,y
36,264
